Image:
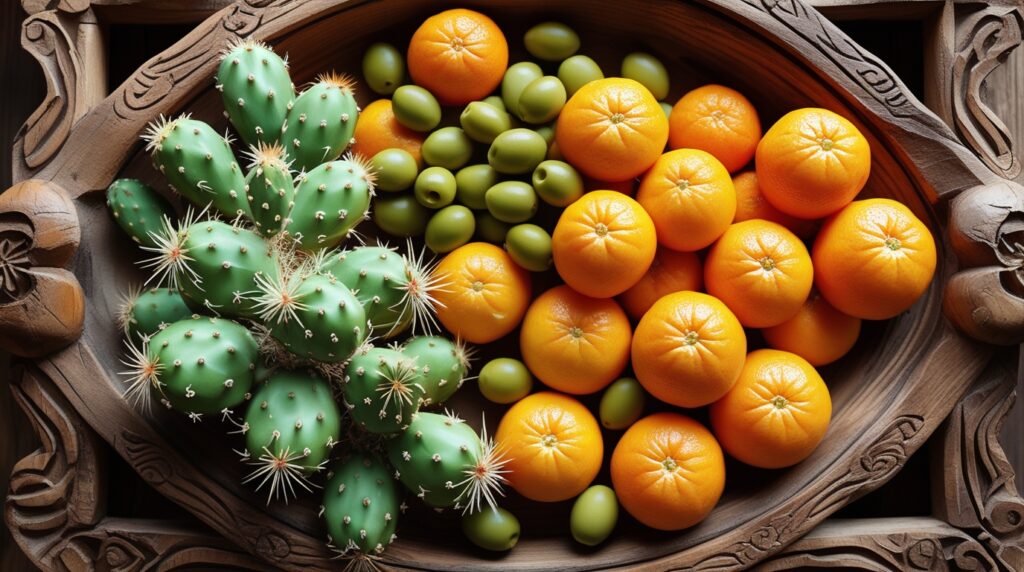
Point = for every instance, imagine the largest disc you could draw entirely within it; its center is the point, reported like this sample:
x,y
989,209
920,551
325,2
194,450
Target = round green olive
x,y
483,122
517,151
448,147
490,229
557,183
383,68
511,201
647,70
577,71
471,184
594,515
622,403
505,380
551,41
400,215
547,132
416,108
496,530
517,77
529,246
435,187
450,228
541,100
495,101
396,169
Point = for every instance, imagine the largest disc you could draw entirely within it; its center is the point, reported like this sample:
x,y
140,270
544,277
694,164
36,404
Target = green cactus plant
x,y
256,90
321,122
269,187
146,312
382,389
443,366
361,505
137,209
330,201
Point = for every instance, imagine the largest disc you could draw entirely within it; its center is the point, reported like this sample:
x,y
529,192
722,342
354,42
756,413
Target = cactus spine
x,y
321,121
382,389
361,505
269,188
443,366
144,313
330,201
256,90
137,209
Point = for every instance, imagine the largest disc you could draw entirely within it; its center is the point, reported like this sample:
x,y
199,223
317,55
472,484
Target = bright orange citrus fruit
x,y
818,332
751,204
670,272
718,120
377,130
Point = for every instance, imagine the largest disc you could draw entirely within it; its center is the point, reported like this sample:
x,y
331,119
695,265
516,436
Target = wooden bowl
x,y
889,394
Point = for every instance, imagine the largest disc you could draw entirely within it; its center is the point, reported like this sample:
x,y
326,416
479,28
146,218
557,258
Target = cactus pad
x,y
361,505
330,201
382,389
269,188
256,90
443,366
137,209
144,313
321,122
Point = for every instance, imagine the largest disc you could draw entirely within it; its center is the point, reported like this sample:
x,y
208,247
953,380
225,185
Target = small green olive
x,y
551,41
666,107
400,215
647,70
495,101
450,228
471,184
505,380
622,403
396,169
517,151
557,183
517,77
541,100
529,246
448,147
496,530
547,132
383,68
483,122
594,515
511,201
490,229
577,71
435,187
416,108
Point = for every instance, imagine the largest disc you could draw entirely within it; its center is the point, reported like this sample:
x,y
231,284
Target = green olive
x,y
647,70
471,184
400,215
496,530
511,201
551,41
448,147
529,246
622,403
483,122
496,101
594,515
541,100
517,77
490,229
517,151
450,228
547,132
557,183
416,108
383,68
396,169
435,187
577,71
505,380
666,107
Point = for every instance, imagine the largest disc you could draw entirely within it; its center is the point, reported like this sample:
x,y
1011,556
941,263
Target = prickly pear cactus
x,y
290,428
144,313
361,505
382,389
330,201
199,366
138,209
321,122
443,366
446,464
256,90
269,188
198,163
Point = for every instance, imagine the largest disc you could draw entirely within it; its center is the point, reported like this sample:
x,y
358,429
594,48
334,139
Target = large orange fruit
x,y
818,332
553,444
690,197
670,272
873,259
575,343
776,414
718,120
668,471
483,293
812,163
377,130
603,244
612,129
761,271
688,349
458,55
751,204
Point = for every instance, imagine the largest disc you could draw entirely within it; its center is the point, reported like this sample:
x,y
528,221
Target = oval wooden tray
x,y
889,395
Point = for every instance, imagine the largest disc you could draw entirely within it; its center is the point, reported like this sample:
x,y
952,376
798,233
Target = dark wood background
x,y
22,88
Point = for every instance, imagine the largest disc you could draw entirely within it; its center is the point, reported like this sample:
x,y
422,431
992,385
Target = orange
x,y
574,343
761,271
483,293
688,349
458,55
670,272
689,195
751,204
612,129
668,471
812,163
818,332
718,120
603,244
553,444
776,414
873,259
377,130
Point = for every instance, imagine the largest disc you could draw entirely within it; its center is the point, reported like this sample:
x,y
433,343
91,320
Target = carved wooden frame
x,y
55,507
